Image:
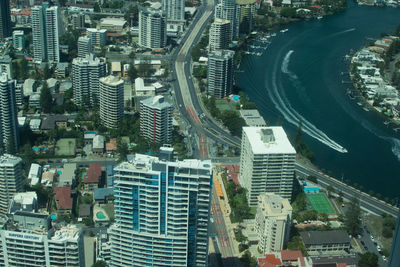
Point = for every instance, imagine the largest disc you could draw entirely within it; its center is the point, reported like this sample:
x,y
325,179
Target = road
x,y
367,202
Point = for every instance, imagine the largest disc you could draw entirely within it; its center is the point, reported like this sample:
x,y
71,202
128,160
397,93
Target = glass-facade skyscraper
x,y
162,209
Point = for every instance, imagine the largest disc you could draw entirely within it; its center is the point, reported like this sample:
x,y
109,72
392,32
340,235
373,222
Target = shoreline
x,y
365,61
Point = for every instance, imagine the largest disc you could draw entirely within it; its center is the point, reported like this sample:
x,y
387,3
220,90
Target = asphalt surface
x,y
367,202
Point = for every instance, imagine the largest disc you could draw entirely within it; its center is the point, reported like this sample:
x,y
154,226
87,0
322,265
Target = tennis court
x,y
320,203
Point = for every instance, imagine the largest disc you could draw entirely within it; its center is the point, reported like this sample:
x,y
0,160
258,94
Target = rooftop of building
x,y
157,102
98,142
252,117
325,237
111,145
69,232
93,173
221,21
245,2
89,59
269,140
111,80
96,30
102,193
9,160
63,196
283,257
67,173
49,123
25,198
272,204
143,163
119,22
221,54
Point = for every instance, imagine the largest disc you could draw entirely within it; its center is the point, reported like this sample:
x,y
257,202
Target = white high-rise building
x,y
18,40
97,36
86,72
272,223
162,209
220,73
111,100
11,180
266,162
152,28
47,27
246,10
156,119
227,9
175,13
6,66
84,46
8,115
220,34
56,247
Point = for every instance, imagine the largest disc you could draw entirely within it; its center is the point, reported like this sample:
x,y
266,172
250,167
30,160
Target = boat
x,y
366,109
273,34
319,17
359,103
344,150
386,122
284,30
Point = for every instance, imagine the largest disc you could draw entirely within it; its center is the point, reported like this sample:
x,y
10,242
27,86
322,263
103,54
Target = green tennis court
x,y
320,203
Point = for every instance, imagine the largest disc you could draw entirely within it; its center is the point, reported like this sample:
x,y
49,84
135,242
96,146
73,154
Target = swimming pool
x,y
100,215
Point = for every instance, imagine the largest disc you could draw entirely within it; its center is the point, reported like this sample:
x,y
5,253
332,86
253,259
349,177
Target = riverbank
x,y
373,71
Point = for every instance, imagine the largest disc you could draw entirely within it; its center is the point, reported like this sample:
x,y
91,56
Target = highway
x,y
367,202
190,110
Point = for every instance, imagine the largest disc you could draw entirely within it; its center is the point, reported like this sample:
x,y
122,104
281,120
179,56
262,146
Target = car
x,y
384,257
342,204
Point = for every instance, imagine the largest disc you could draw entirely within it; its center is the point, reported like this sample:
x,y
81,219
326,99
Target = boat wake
x,y
290,114
342,32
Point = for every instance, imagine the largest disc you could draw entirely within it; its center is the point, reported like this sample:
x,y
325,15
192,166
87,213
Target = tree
x,y
248,260
233,122
313,179
368,259
46,100
330,189
352,220
122,149
132,72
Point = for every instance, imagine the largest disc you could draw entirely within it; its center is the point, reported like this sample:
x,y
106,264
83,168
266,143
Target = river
x,y
303,75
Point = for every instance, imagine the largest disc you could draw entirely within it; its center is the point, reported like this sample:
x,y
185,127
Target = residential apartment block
x,y
162,208
266,162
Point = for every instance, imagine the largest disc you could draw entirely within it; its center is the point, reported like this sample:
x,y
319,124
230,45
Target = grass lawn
x,y
320,203
375,226
109,208
223,105
65,147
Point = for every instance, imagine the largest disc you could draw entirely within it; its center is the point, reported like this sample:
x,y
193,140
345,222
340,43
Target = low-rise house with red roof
x,y
111,146
284,258
93,177
63,199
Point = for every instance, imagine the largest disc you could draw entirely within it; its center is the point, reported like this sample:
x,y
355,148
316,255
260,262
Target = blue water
x,y
298,77
100,215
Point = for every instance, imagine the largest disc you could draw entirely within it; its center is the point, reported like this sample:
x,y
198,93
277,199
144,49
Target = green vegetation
x,y
295,243
230,118
240,209
389,223
300,146
368,259
248,260
46,100
352,219
200,49
320,203
200,72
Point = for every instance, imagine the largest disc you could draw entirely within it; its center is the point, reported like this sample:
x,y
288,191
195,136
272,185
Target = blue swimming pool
x,y
100,215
